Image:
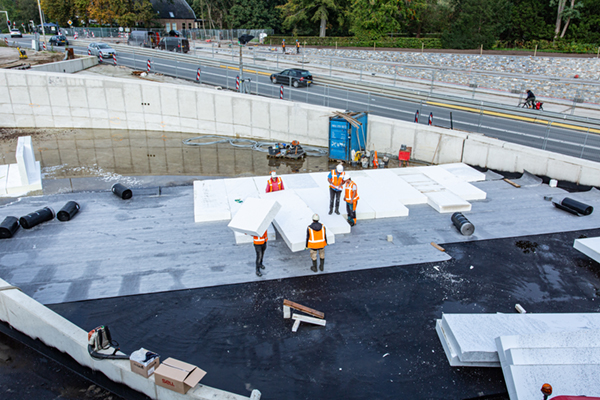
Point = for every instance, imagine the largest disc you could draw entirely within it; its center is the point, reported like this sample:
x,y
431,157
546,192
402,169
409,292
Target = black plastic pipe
x,y
122,191
464,226
36,218
68,211
8,227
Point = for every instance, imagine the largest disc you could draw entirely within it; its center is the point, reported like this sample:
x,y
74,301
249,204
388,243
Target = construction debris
x,y
288,305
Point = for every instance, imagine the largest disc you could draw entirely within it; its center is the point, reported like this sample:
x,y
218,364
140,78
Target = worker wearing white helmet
x,y
316,240
336,180
275,183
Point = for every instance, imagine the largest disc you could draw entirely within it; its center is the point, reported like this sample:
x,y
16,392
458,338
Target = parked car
x,y
101,48
15,33
59,40
180,45
295,77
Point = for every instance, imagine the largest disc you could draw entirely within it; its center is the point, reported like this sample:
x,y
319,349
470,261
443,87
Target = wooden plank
x,y
437,246
512,183
304,309
309,320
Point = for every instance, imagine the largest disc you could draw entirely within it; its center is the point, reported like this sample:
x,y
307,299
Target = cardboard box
x,y
177,375
145,369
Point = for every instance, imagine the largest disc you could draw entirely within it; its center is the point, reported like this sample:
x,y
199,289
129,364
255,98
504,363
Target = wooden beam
x,y
437,246
512,183
304,309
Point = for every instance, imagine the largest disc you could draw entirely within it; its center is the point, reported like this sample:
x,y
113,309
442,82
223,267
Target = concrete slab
x,y
396,187
293,219
464,172
589,246
28,169
211,201
254,216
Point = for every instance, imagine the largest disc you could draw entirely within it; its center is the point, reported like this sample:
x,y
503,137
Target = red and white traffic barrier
x,y
44,45
281,92
237,83
89,52
430,122
100,58
148,71
417,117
115,59
198,75
75,36
93,35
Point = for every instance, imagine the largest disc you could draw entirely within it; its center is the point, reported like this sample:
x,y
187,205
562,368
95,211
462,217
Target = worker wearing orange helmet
x,y
351,199
275,183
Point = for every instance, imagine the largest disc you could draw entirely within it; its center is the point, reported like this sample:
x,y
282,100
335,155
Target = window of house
x,y
174,26
168,27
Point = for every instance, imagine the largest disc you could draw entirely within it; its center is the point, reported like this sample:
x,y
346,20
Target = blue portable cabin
x,y
345,137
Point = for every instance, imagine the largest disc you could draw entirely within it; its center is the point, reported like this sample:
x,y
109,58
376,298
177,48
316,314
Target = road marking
x,y
509,116
245,70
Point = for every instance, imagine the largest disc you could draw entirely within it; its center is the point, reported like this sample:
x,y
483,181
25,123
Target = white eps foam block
x,y
572,339
242,238
28,169
210,201
238,190
394,186
375,194
462,189
3,178
14,183
447,202
298,181
589,246
254,216
472,336
464,172
293,219
318,200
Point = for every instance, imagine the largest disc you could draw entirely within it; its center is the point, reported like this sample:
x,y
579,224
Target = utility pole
x,y
7,20
241,63
42,21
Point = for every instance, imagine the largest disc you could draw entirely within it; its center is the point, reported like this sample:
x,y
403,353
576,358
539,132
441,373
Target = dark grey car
x,y
295,77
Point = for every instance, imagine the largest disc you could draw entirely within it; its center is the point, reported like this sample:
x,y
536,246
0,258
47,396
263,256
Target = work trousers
x,y
313,254
351,211
334,194
260,252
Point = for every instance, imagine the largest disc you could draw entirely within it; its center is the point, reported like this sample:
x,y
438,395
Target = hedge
x,y
400,42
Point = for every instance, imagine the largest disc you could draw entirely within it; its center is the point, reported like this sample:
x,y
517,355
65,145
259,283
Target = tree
x,y
254,14
299,12
57,11
475,23
587,30
427,16
564,14
529,20
373,19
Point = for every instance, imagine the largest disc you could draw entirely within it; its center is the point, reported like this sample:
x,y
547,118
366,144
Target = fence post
x,y
547,135
584,142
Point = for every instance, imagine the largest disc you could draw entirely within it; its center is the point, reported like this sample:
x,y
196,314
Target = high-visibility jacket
x,y
260,240
350,192
336,180
316,239
274,185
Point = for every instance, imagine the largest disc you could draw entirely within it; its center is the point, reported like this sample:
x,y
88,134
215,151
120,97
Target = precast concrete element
x,y
589,246
23,177
68,66
101,102
496,154
38,322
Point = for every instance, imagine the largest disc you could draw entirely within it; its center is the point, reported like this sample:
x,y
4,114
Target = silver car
x,y
101,48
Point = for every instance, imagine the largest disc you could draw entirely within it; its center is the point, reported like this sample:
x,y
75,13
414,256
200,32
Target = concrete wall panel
x,y
115,99
564,168
242,114
19,95
279,120
206,105
39,95
261,117
132,96
187,104
96,99
169,101
224,110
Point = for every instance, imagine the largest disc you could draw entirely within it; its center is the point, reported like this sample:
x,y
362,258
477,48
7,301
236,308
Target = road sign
x,y
120,29
70,22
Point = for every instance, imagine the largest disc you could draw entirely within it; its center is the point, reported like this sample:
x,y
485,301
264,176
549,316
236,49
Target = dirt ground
x,y
9,57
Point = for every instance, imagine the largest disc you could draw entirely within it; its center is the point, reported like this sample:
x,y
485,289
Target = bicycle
x,y
535,105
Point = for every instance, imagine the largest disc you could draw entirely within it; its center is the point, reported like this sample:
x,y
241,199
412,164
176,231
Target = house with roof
x,y
175,14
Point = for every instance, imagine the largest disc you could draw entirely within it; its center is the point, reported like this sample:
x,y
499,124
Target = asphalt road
x,y
537,134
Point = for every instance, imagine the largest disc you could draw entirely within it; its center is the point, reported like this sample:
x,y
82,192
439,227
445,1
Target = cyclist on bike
x,y
530,100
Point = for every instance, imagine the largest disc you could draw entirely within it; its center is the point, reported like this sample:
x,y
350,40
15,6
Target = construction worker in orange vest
x,y
336,181
260,246
351,199
297,47
275,183
316,240
283,46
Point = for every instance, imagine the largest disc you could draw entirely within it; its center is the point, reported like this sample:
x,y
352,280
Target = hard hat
x,y
273,174
315,217
340,168
295,143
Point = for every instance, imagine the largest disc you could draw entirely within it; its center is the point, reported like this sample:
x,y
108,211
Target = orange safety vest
x,y
350,192
336,180
316,239
261,240
278,185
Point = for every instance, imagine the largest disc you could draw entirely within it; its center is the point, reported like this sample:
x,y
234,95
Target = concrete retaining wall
x,y
38,322
69,66
112,103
